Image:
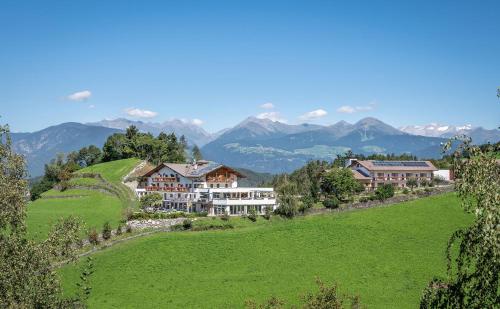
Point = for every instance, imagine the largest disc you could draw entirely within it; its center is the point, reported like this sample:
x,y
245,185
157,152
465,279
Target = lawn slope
x,y
386,255
93,200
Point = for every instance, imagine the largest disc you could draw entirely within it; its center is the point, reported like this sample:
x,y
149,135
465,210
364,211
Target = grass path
x,y
386,255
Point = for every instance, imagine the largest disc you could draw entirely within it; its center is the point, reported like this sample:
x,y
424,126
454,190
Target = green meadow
x,y
385,255
93,207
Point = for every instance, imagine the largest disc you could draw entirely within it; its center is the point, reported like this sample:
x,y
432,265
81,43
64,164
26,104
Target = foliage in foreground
x,y
327,297
473,278
27,275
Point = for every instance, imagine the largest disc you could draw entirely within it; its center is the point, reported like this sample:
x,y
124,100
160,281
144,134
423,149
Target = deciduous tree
x,y
27,275
473,276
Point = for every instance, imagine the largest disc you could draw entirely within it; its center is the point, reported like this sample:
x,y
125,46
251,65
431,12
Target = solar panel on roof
x,y
401,163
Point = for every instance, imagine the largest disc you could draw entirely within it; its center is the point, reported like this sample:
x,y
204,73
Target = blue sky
x,y
218,62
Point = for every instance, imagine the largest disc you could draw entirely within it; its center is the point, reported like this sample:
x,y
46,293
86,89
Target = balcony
x,y
164,179
166,189
221,179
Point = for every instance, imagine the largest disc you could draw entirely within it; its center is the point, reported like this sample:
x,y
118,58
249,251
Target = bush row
x,y
94,238
141,215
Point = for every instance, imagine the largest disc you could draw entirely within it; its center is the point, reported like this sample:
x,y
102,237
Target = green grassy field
x,y
93,207
386,255
112,171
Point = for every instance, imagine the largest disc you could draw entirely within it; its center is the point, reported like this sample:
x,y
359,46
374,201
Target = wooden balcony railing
x,y
167,189
164,179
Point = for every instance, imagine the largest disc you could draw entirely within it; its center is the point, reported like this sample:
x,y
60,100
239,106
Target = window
x,y
218,186
211,185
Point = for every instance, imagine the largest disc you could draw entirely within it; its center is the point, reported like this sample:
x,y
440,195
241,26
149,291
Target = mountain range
x,y
193,133
257,144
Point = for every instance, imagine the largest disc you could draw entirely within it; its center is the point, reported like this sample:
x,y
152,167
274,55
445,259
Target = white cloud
x,y
91,106
274,116
194,121
197,122
348,109
140,113
312,115
80,95
267,105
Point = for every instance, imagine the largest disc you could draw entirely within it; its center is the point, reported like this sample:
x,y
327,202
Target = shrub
x,y
225,217
63,186
384,191
187,224
152,200
201,214
331,202
128,213
217,225
267,213
128,229
372,197
119,229
252,215
363,199
106,231
424,183
406,191
306,202
93,236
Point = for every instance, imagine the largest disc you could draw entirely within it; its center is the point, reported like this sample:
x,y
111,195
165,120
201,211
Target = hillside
x,y
386,255
42,146
94,200
253,179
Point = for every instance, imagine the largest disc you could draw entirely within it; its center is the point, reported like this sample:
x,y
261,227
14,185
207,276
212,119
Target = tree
x,y
131,132
384,191
287,199
412,183
117,147
473,277
341,183
151,200
27,275
90,155
327,297
197,153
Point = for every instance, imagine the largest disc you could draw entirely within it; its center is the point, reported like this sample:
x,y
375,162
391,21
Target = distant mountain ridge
x,y
260,145
478,134
268,146
42,146
193,133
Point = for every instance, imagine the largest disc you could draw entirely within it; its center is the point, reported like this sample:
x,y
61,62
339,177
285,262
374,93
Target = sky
x,y
214,63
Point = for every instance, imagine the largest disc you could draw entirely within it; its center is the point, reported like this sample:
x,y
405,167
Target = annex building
x,y
373,173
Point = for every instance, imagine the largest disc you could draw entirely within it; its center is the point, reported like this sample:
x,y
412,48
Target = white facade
x,y
444,174
207,188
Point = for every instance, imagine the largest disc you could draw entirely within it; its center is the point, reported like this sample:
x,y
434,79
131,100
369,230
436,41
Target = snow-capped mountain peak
x,y
436,129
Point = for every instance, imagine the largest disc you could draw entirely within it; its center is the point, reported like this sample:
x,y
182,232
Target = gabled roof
x,y
379,165
192,170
